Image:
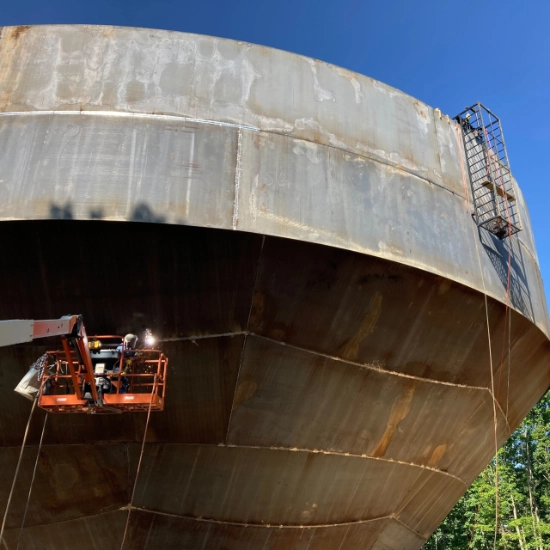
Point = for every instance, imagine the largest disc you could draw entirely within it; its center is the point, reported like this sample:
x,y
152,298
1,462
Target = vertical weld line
x,y
460,140
438,143
246,333
235,391
237,180
255,284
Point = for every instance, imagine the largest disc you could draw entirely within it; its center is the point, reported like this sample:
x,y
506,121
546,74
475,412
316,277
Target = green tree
x,y
523,518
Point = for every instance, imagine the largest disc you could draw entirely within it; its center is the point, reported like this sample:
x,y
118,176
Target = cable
x,y
491,163
17,469
495,420
495,417
509,360
139,464
32,481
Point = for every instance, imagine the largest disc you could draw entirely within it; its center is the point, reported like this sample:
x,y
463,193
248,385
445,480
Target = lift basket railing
x,y
135,381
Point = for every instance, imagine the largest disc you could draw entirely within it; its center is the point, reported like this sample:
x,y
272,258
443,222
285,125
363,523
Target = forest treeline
x,y
523,495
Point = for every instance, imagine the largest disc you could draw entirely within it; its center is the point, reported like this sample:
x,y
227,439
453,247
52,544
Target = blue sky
x,y
447,53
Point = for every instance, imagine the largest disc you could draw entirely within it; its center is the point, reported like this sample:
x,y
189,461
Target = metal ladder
x,y
495,205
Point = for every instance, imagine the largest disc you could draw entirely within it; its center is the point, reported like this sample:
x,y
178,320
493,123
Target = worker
x,y
124,358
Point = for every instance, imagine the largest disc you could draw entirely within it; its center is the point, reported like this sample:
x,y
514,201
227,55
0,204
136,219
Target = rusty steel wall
x,y
301,238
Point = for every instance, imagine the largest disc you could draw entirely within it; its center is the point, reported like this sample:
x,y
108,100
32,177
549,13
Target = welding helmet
x,y
130,341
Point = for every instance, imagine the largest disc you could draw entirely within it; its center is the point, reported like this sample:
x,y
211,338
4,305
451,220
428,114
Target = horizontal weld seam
x,y
352,455
370,367
81,518
204,336
255,129
226,124
128,114
258,447
261,525
229,125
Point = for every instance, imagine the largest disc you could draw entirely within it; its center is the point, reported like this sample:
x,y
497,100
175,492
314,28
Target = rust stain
x,y
277,334
437,455
9,41
351,349
108,32
9,38
419,109
400,409
245,390
16,32
257,311
443,287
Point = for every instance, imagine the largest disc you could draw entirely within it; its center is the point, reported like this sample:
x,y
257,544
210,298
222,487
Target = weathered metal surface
x,y
367,385
72,482
153,531
338,407
124,83
329,367
87,531
270,486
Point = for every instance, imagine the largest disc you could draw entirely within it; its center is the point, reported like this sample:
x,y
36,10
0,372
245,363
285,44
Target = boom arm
x,y
20,331
73,336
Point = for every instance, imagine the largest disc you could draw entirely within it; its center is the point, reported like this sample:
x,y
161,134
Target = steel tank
x,y
300,237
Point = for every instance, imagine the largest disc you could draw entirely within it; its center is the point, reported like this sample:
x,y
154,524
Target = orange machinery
x,y
97,375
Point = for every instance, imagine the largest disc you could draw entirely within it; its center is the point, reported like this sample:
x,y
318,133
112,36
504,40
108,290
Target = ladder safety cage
x,y
123,380
495,204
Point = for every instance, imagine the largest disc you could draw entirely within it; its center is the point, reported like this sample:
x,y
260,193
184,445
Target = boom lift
x,y
103,374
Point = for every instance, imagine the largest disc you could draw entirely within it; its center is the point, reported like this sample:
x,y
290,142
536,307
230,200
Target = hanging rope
x,y
508,312
495,417
509,359
492,162
17,469
32,482
139,463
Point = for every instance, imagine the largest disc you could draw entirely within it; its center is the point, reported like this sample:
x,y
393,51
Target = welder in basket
x,y
125,351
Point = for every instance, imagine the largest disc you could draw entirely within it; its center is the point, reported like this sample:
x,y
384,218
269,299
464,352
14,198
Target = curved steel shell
x,y
301,238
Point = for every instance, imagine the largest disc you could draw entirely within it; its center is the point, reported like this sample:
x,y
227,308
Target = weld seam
x,y
235,391
370,367
262,525
81,518
204,336
241,127
131,115
237,180
386,371
394,517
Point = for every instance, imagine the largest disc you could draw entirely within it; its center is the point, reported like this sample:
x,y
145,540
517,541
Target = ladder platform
x,y
498,189
493,195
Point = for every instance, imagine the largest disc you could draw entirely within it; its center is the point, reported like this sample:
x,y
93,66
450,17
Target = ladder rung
x,y
504,194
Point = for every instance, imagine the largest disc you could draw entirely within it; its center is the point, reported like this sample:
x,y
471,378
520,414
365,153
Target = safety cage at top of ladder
x,y
125,379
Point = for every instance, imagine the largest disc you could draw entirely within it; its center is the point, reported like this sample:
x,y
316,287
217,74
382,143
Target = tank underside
x,y
316,396
301,239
